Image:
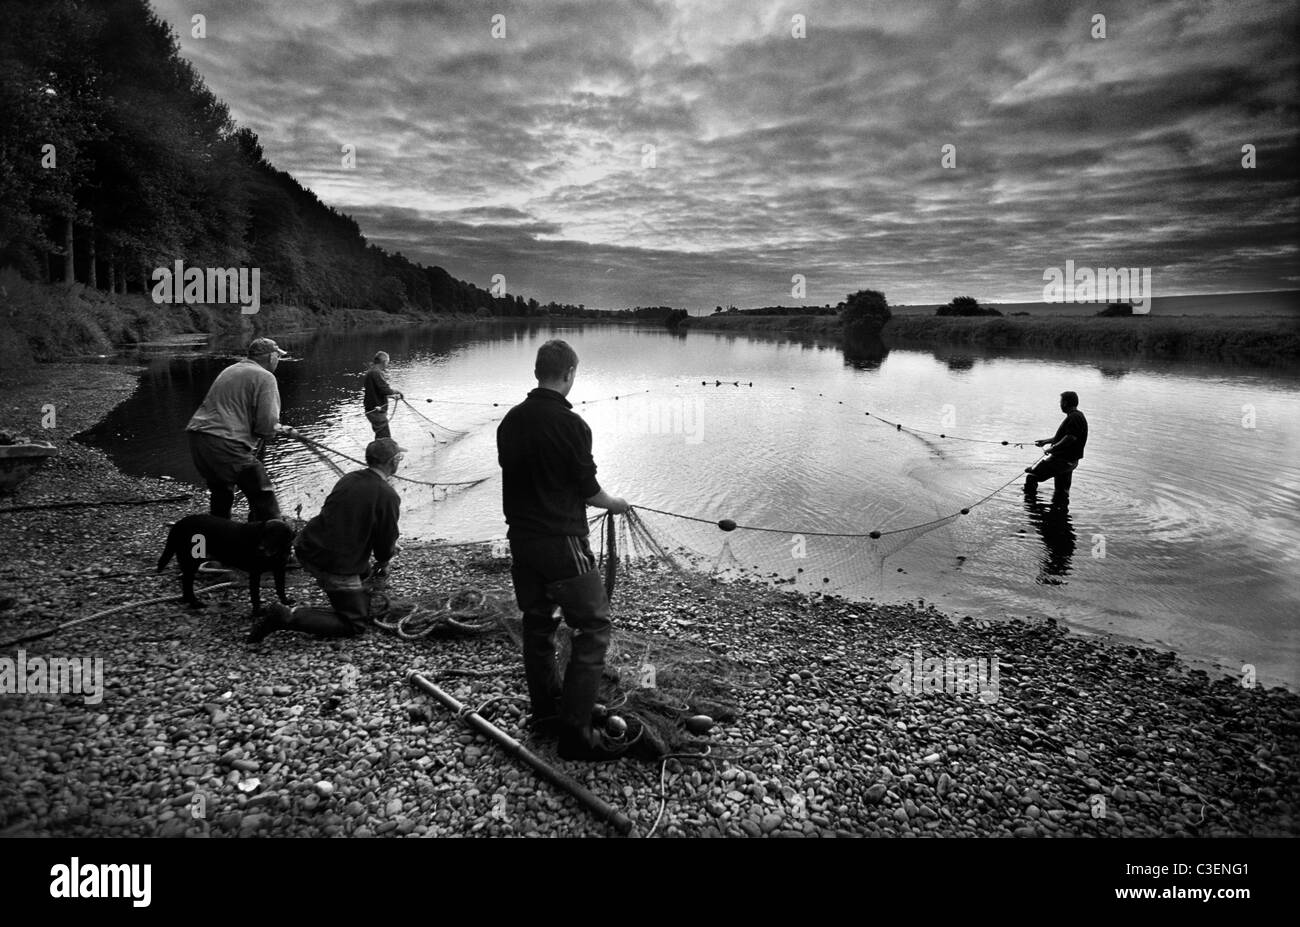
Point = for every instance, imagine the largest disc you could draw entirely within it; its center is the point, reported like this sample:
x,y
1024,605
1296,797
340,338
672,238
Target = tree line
x,y
116,159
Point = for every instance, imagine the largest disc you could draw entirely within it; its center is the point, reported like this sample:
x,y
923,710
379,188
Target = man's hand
x,y
399,395
285,430
614,504
1042,442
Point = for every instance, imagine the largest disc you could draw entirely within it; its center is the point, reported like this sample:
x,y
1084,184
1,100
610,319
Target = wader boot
x,y
257,488
347,618
586,609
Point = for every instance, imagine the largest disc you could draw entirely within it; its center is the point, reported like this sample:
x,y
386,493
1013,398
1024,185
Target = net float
x,y
727,524
699,724
615,726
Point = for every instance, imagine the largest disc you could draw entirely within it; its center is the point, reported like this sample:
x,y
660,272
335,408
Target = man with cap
x,y
548,480
358,520
377,392
240,411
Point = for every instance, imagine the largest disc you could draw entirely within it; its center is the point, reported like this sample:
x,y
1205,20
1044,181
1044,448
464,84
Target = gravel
x,y
199,734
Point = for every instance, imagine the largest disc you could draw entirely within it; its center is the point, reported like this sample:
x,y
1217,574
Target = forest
x,y
116,159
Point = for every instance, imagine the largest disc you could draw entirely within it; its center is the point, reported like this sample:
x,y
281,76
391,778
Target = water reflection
x,y
864,352
1052,521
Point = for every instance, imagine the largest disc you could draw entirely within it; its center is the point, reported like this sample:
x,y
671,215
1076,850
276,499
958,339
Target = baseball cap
x,y
259,346
382,450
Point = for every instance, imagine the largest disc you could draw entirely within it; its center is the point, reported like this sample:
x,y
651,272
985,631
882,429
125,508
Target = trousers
x,y
379,422
228,465
349,610
1062,471
561,571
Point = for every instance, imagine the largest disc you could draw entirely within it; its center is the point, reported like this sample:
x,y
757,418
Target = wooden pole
x,y
593,803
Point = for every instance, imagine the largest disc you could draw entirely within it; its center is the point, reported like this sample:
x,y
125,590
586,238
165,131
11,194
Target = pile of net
x,y
656,686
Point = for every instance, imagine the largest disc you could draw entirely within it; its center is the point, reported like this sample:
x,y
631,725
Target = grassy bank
x,y
40,322
1264,340
1252,340
824,326
1085,737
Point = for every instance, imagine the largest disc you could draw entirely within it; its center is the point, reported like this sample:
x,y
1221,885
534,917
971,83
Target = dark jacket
x,y
544,449
359,518
1074,424
377,388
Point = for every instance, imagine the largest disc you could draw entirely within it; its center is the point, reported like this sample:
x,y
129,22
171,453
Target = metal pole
x,y
593,803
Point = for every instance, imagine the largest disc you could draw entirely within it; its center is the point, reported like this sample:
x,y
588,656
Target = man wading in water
x,y
548,480
1066,450
377,393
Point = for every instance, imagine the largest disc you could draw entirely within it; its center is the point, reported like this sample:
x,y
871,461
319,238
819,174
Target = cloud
x,y
620,152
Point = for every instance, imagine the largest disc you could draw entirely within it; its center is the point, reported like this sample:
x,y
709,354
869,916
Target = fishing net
x,y
656,685
806,562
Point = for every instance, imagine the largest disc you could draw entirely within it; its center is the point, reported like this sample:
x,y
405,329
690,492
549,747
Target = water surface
x,y
1182,529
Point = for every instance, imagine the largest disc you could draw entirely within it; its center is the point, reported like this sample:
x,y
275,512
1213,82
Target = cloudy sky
x,y
636,152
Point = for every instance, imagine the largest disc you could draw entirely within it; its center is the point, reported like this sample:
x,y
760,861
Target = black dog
x,y
256,547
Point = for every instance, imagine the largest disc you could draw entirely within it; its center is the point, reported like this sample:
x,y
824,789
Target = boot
x,y
586,610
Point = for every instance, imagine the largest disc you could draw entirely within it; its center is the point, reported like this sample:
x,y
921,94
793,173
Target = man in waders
x,y
358,520
548,480
377,392
239,414
1065,449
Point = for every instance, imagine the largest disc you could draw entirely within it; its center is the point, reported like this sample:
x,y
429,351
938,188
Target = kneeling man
x,y
358,519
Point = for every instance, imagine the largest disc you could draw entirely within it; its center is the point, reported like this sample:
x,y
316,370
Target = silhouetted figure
x,y
1059,540
1065,450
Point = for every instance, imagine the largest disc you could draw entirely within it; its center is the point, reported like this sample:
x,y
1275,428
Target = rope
x,y
729,525
95,503
933,434
406,479
497,405
459,605
119,608
452,431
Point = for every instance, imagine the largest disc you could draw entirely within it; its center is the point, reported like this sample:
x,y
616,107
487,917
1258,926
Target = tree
x,y
864,311
965,306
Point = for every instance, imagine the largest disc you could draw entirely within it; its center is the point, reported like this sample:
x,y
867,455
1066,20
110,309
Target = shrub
x,y
966,305
865,310
1116,309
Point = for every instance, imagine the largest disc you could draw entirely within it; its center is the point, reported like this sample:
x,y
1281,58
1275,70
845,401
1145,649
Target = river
x,y
1182,529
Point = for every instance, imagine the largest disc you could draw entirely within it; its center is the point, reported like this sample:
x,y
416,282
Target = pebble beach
x,y
199,734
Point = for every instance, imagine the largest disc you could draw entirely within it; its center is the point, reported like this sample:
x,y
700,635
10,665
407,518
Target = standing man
x,y
240,411
358,519
1066,450
548,480
377,393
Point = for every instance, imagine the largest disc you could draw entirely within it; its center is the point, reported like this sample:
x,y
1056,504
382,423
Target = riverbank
x,y
198,734
1264,340
42,323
